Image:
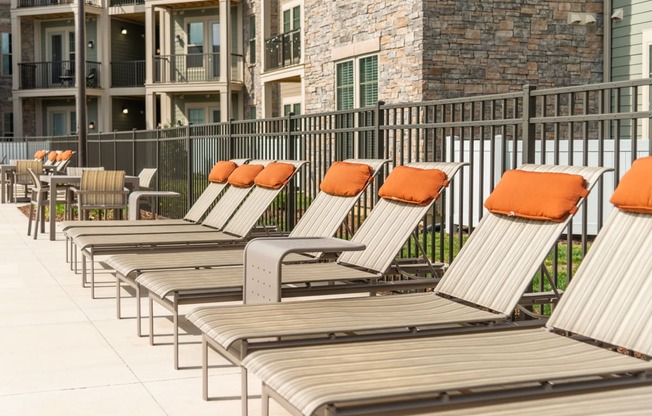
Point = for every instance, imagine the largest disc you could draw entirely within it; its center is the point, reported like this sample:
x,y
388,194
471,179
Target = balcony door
x,y
62,121
60,53
203,49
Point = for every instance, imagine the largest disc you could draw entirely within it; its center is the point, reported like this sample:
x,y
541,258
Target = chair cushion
x,y
634,192
221,171
40,154
52,156
551,196
65,155
275,175
346,178
243,176
413,185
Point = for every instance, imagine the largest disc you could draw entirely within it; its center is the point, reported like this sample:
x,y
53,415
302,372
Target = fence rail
x,y
55,74
599,125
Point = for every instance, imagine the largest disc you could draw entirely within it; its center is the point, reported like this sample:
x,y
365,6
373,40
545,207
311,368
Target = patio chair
x,y
63,160
38,199
194,215
606,308
489,288
100,190
237,230
22,177
91,80
352,272
76,171
51,158
39,155
323,217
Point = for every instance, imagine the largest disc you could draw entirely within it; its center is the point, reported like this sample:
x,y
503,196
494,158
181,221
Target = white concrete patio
x,y
63,353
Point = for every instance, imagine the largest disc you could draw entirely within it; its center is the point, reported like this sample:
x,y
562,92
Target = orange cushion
x,y
346,178
413,185
40,154
275,175
634,192
221,171
52,156
64,155
243,176
549,196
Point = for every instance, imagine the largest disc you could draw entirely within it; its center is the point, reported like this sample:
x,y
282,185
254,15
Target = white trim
x,y
356,77
646,60
367,47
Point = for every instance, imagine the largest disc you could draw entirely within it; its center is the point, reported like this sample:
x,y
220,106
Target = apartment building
x,y
160,63
6,104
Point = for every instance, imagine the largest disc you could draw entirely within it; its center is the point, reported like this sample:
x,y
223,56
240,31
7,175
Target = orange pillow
x,y
413,185
243,176
40,154
64,155
275,175
634,192
221,171
52,156
346,178
548,196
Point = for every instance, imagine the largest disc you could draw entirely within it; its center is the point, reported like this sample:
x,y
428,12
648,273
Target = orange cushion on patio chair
x,y
221,171
413,185
346,178
275,175
634,192
64,155
243,176
40,154
548,196
52,156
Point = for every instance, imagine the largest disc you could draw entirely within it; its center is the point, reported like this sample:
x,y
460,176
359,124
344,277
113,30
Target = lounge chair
x,y
194,214
487,286
322,218
236,231
606,308
352,272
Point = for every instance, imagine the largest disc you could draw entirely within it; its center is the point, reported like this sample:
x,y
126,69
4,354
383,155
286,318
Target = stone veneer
x,y
441,49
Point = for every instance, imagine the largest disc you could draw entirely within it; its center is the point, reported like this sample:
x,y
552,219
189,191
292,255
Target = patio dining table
x,y
59,180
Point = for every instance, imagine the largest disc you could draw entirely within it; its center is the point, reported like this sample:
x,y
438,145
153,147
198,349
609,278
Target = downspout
x,y
606,41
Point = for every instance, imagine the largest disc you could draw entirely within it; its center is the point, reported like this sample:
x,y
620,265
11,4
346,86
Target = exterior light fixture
x,y
178,38
123,30
125,110
91,125
91,44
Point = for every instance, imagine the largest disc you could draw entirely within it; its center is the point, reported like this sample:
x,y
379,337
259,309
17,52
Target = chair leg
x,y
29,224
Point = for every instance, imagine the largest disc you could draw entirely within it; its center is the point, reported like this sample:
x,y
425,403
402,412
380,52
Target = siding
x,y
626,38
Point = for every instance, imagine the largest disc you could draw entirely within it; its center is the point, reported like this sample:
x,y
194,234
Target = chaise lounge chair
x,y
357,272
322,218
606,308
236,231
479,288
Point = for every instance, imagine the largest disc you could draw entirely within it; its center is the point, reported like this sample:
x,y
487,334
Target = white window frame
x,y
646,60
292,101
289,6
356,77
68,111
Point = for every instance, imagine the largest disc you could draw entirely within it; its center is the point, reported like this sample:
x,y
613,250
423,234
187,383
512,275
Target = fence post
x,y
379,121
229,134
133,151
115,149
529,129
189,166
290,201
158,159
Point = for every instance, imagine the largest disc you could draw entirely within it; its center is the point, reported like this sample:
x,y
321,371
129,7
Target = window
x,y
7,124
196,116
6,47
292,108
366,69
252,39
291,19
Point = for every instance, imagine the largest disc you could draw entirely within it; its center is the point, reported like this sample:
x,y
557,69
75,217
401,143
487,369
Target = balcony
x,y
194,67
113,3
43,3
58,74
283,50
128,74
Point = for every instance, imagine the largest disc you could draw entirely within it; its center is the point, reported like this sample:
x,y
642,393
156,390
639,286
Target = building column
x,y
150,26
150,111
225,56
17,51
18,117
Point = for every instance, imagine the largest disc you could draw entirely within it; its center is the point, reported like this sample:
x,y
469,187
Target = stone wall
x,y
480,47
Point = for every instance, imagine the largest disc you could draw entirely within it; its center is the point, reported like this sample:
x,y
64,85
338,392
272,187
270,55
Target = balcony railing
x,y
128,74
194,67
43,3
57,74
125,2
283,50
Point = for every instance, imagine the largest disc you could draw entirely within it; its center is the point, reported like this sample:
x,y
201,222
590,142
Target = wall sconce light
x,y
91,125
178,38
91,44
125,110
123,30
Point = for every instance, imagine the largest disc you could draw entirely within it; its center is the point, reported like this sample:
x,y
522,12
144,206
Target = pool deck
x,y
63,353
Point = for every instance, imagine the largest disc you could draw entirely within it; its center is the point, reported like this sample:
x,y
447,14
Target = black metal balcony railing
x,y
43,3
125,2
283,50
128,74
58,74
194,67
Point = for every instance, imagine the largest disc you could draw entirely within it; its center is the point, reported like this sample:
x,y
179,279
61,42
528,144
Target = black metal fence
x,y
595,125
283,50
128,74
192,67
